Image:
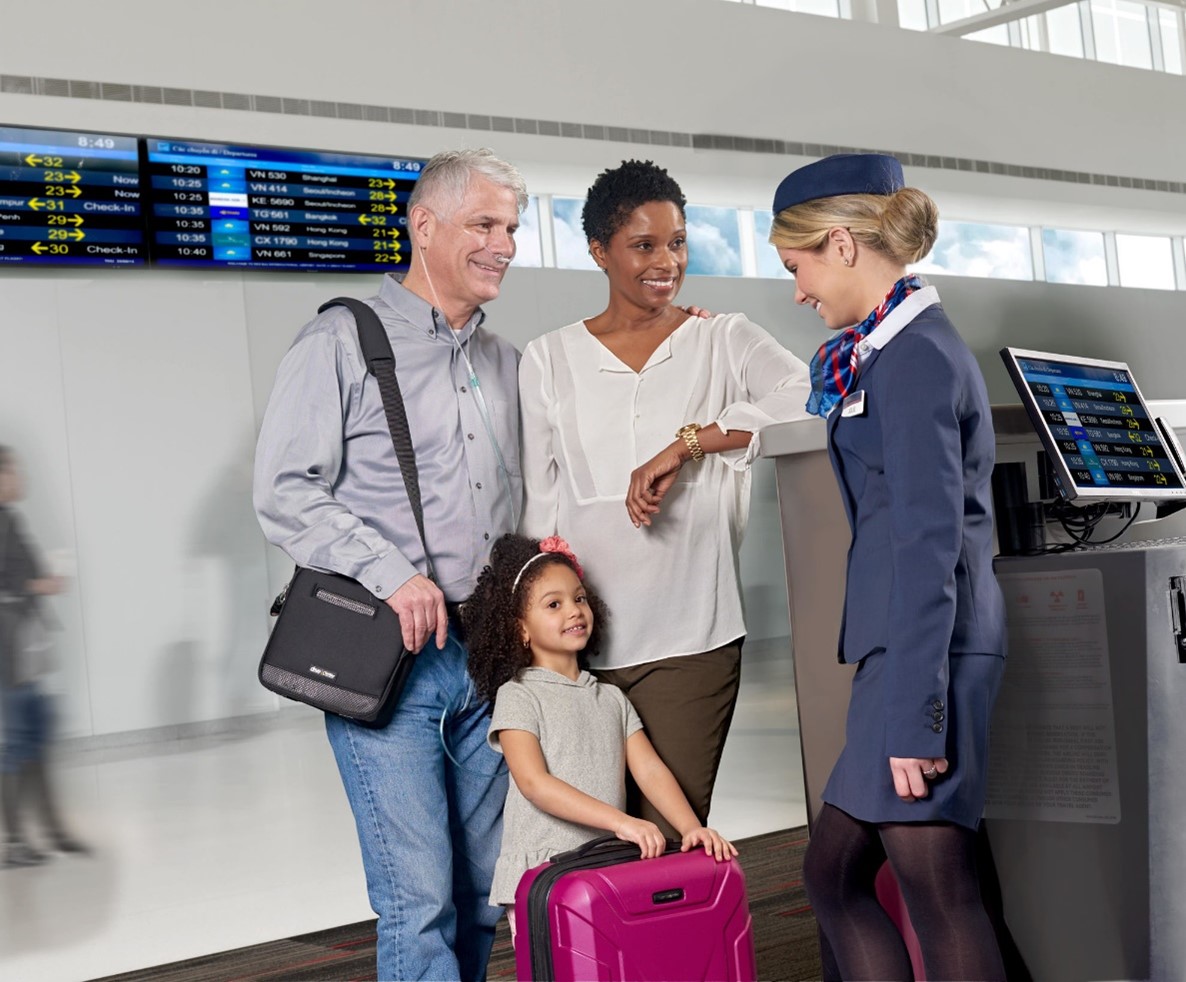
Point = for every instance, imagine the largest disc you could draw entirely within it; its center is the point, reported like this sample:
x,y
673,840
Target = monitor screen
x,y
1096,427
217,204
69,198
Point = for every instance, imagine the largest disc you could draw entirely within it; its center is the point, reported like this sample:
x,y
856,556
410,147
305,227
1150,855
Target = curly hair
x,y
616,193
492,613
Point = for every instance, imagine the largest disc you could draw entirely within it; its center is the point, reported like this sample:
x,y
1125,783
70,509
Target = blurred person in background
x,y
24,660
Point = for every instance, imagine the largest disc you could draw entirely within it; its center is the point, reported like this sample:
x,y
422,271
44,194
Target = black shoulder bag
x,y
336,646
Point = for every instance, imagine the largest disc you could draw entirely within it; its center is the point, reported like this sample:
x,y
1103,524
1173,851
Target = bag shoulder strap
x,y
380,362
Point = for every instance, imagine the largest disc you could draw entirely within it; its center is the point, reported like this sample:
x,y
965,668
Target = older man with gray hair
x,y
426,790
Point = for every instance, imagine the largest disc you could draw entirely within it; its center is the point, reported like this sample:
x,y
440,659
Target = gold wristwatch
x,y
689,434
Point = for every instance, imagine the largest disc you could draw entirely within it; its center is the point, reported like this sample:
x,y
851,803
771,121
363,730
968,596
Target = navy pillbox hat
x,y
842,173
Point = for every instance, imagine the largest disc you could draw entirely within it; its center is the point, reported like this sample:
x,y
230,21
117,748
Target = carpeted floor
x,y
784,934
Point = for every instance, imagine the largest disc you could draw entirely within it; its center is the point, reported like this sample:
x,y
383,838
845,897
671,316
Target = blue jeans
x,y
28,722
429,821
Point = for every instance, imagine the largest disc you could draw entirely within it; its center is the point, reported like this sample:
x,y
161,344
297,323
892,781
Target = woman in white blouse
x,y
656,515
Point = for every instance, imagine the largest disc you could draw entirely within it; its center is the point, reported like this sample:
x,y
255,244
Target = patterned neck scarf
x,y
834,367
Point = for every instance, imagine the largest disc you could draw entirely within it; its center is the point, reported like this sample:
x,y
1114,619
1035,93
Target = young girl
x,y
531,625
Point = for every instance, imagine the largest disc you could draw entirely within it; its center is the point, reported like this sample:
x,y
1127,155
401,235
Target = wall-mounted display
x,y
70,198
215,204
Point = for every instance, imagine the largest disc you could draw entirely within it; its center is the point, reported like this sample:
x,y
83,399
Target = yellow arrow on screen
x,y
364,219
75,220
36,204
76,234
39,247
33,160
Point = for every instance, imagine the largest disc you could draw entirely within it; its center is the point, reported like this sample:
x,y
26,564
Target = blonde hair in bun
x,y
901,226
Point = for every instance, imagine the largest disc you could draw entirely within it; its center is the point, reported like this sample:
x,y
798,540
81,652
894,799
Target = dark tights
x,y
935,865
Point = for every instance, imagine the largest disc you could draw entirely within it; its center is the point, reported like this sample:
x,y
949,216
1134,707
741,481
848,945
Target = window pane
x,y
1121,33
912,14
968,249
1074,257
527,242
1171,41
1145,260
572,251
825,8
952,10
714,242
1064,32
768,262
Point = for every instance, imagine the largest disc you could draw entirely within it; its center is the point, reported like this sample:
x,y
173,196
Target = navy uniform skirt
x,y
861,783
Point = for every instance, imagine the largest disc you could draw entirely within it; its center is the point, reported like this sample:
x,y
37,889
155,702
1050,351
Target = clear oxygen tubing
x,y
475,386
504,475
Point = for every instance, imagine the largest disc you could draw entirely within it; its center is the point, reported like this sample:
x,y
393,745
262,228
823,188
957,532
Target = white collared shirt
x,y
893,322
588,420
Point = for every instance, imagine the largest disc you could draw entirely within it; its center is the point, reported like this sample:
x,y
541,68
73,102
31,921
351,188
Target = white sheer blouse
x,y
589,420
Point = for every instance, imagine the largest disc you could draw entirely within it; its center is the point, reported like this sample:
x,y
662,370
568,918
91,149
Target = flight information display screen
x,y
215,204
70,198
1096,427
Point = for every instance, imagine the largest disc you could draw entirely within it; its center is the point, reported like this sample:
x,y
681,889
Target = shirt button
x,y
485,535
478,485
463,388
469,436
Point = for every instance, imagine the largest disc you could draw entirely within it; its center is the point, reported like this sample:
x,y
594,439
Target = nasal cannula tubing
x,y
476,389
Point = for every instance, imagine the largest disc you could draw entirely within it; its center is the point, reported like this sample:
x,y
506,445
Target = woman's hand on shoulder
x,y
715,844
644,834
912,774
693,311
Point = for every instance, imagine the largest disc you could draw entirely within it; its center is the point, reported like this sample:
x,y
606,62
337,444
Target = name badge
x,y
854,404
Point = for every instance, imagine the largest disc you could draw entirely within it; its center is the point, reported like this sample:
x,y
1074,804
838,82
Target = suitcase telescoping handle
x,y
606,843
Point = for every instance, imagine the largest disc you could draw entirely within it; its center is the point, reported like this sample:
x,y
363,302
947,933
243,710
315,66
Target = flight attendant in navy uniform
x,y
911,441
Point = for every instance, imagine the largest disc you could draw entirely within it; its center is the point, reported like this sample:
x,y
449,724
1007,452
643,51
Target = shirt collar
x,y
893,322
419,312
537,674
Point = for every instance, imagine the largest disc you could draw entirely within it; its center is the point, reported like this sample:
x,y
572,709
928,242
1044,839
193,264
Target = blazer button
x,y
937,727
937,704
937,717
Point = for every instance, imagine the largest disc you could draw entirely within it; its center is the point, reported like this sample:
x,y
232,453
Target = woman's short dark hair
x,y
491,615
617,192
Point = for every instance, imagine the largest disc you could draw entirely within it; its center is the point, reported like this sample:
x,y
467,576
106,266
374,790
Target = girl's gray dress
x,y
582,728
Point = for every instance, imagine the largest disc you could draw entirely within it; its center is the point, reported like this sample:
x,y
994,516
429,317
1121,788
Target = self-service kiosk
x,y
1087,793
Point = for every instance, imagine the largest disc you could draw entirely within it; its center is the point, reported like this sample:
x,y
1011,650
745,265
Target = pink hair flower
x,y
553,543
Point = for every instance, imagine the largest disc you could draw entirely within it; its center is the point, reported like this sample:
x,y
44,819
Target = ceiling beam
x,y
1004,14
1008,12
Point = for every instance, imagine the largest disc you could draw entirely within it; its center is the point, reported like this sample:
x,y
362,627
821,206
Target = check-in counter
x,y
1087,790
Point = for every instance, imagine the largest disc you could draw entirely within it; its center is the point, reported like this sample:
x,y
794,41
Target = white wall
x,y
134,395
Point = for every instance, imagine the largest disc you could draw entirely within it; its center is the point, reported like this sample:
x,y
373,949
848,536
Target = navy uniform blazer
x,y
914,468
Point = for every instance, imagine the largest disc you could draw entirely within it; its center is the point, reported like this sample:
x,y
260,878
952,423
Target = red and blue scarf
x,y
835,366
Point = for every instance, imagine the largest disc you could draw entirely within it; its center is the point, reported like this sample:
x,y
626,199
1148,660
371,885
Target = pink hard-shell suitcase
x,y
602,913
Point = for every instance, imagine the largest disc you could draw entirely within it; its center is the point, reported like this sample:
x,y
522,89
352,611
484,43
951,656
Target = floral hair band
x,y
552,544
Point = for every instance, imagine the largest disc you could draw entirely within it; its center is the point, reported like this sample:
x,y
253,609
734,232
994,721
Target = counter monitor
x,y
1096,427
